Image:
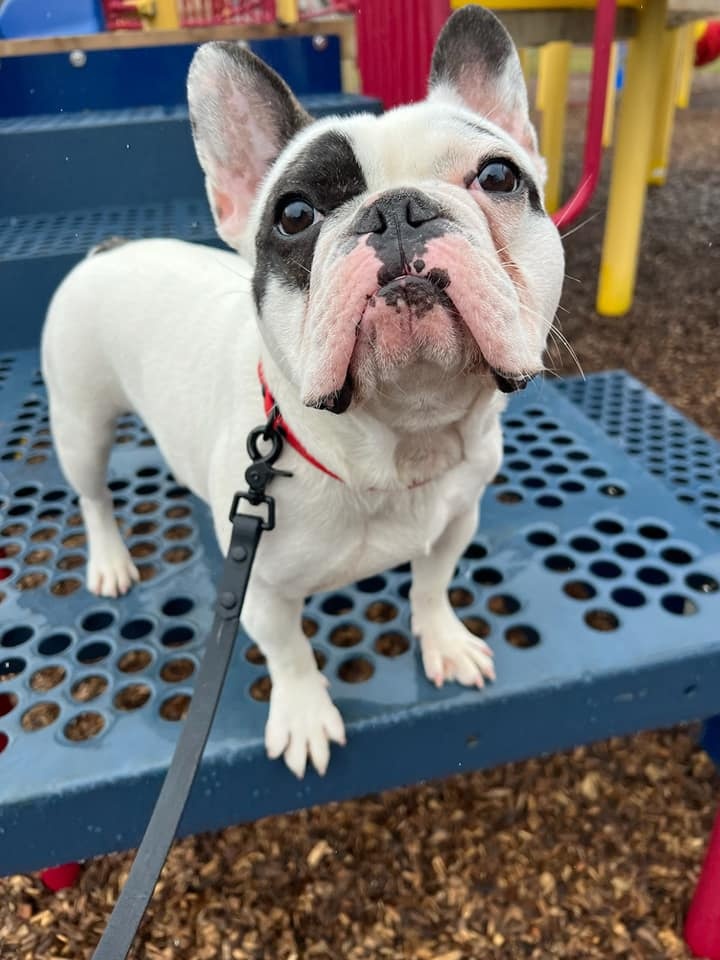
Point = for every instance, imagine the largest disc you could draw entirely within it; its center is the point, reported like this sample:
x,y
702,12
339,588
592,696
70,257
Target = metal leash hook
x,y
117,940
261,471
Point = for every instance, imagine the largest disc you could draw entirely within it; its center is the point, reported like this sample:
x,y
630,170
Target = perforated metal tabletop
x,y
597,588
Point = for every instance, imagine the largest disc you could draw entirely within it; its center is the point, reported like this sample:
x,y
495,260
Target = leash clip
x,y
255,500
261,472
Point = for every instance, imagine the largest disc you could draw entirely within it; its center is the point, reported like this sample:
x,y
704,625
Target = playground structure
x,y
606,501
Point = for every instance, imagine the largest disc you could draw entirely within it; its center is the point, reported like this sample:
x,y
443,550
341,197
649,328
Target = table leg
x,y
610,98
628,185
553,84
692,31
674,44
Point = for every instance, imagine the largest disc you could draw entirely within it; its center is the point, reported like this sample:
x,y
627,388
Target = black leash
x,y
132,903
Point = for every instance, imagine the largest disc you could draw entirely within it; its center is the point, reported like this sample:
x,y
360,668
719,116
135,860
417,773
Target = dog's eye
x,y
498,176
296,215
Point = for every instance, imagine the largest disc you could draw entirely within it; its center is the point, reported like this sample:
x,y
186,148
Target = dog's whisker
x,y
297,263
583,223
226,266
560,339
553,350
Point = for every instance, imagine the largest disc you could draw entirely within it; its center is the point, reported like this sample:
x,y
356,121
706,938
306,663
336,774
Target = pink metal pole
x,y
603,36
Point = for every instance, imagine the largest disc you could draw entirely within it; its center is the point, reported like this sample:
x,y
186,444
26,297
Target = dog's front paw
x,y
302,722
451,652
112,572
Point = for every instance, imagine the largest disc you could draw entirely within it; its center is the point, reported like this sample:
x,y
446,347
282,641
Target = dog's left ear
x,y
242,115
475,62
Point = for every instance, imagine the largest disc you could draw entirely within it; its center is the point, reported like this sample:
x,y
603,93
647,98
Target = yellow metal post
x,y
674,46
524,57
156,14
287,11
349,73
628,185
349,76
166,15
542,72
691,32
555,65
610,97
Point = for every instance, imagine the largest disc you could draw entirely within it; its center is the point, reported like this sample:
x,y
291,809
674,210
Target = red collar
x,y
280,424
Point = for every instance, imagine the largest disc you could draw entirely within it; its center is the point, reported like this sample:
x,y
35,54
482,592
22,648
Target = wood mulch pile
x,y
587,854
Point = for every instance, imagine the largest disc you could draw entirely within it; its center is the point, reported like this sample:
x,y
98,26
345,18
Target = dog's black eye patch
x,y
323,177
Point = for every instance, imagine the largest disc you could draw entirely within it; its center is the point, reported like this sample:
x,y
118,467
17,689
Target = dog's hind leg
x,y
83,442
85,397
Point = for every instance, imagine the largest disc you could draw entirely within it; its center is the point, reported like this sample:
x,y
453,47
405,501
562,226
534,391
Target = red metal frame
x,y
395,41
118,17
210,13
62,877
213,13
603,36
702,927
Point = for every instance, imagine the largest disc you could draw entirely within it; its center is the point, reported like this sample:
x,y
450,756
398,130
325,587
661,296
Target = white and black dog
x,y
397,275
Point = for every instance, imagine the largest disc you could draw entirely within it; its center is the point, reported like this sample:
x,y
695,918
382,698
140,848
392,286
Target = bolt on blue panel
x,y
598,591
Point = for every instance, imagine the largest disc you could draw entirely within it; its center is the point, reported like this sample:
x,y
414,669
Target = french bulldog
x,y
393,277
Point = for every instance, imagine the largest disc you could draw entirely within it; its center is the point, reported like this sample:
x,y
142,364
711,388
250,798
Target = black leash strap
x,y
132,903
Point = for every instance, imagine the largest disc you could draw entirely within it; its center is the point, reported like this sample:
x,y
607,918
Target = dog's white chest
x,y
332,538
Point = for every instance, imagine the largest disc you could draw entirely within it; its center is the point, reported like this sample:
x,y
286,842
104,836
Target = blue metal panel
x,y
48,18
130,156
665,442
598,590
38,250
75,231
308,64
711,738
148,76
78,161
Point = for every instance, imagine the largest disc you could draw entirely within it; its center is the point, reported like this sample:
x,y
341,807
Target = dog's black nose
x,y
404,208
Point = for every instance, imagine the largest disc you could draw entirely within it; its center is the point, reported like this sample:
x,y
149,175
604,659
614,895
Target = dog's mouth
x,y
404,310
420,295
511,383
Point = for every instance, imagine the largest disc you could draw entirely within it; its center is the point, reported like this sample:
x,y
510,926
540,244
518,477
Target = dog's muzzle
x,y
398,225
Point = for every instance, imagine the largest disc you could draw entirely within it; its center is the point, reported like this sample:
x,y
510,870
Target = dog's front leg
x,y
449,650
303,719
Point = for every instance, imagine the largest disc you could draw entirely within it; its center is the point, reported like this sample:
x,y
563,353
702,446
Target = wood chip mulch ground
x,y
588,854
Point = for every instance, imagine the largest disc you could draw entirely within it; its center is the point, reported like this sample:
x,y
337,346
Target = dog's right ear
x,y
242,115
475,63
